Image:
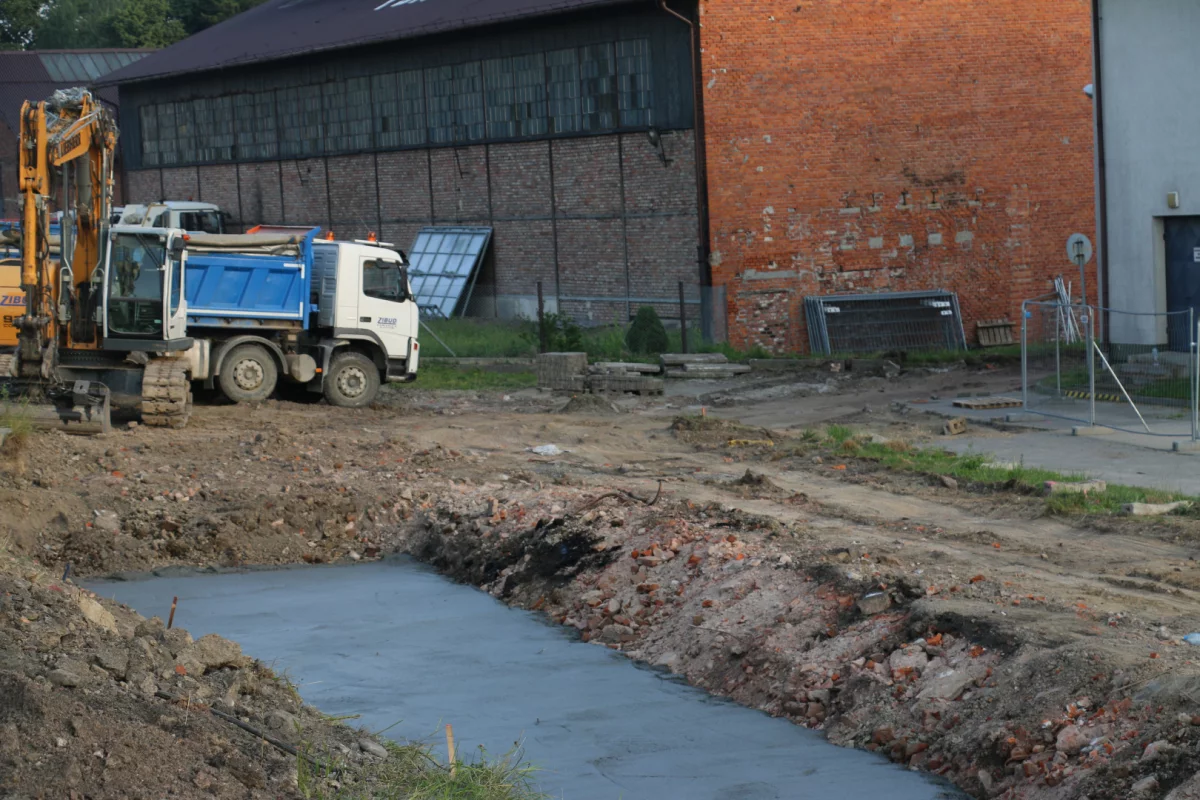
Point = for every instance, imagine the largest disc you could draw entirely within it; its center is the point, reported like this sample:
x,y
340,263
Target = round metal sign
x,y
1079,245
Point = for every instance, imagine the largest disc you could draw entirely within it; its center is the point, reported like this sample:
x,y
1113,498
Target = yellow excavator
x,y
65,354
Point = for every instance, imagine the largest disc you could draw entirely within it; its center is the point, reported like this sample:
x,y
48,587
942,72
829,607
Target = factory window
x,y
185,126
598,71
347,115
439,93
399,108
168,134
592,89
516,96
213,118
300,128
257,131
151,141
468,102
563,77
635,84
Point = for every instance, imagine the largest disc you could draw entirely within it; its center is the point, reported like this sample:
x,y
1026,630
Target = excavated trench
x,y
402,646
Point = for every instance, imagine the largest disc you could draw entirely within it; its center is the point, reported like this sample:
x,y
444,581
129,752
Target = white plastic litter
x,y
547,450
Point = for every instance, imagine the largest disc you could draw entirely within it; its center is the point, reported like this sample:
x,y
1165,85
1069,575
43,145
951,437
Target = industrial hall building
x,y
760,153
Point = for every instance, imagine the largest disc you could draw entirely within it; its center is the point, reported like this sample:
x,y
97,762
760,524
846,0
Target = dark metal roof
x,y
281,28
35,74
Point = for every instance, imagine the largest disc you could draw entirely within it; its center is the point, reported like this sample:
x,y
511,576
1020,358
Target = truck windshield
x,y
200,221
135,285
385,280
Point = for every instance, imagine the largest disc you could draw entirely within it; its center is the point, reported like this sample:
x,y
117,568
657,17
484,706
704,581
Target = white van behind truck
x,y
182,214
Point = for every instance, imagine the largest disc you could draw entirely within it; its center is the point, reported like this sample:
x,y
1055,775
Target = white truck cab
x,y
362,293
181,214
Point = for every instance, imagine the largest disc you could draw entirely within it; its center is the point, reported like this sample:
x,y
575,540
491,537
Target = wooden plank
x,y
984,403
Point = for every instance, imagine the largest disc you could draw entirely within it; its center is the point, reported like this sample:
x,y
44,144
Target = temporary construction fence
x,y
1145,379
877,323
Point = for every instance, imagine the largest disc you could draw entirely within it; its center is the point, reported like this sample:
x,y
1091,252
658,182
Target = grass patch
x,y
839,433
477,338
1077,380
980,468
14,415
440,375
484,338
411,772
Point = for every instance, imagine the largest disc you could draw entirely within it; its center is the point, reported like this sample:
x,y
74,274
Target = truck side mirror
x,y
178,245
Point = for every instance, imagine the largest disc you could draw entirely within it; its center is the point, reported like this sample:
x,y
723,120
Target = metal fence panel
x,y
1145,379
878,323
1055,366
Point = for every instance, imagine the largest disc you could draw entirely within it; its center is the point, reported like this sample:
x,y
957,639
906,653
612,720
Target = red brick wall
x,y
844,138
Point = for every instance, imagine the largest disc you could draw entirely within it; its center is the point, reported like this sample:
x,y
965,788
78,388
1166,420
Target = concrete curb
x,y
479,362
1091,430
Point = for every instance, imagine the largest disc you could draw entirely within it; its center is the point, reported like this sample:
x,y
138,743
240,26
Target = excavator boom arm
x,y
67,143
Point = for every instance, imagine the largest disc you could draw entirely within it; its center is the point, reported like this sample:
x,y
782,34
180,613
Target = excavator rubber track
x,y
166,393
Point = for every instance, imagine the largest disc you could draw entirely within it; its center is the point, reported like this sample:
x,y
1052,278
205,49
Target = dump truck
x,y
278,305
127,317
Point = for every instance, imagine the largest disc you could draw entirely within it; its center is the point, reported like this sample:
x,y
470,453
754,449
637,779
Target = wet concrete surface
x,y
398,643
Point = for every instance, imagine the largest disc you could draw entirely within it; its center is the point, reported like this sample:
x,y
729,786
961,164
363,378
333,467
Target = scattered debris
x,y
1084,488
1153,509
986,403
954,427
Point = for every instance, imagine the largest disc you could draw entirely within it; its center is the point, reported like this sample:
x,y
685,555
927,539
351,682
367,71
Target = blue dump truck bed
x,y
252,285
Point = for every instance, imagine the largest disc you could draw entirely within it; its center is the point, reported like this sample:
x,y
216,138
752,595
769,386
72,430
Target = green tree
x,y
19,22
80,24
145,23
76,24
196,15
646,335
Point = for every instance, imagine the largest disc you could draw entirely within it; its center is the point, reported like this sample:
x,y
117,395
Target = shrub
x,y
647,336
561,334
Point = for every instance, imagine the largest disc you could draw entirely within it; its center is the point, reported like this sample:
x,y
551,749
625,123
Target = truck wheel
x,y
248,374
352,382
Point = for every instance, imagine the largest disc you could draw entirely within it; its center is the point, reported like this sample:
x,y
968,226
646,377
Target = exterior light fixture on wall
x,y
1090,90
655,138
1172,199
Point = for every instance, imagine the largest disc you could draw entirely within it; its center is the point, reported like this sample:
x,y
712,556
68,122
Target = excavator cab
x,y
144,307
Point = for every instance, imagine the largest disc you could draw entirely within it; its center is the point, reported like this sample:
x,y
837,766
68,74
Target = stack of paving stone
x,y
623,376
700,365
569,372
562,372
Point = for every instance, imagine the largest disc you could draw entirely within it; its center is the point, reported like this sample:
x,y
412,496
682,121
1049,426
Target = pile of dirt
x,y
97,701
592,404
848,642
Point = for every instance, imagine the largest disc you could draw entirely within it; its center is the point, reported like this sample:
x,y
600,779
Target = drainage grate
x,y
875,323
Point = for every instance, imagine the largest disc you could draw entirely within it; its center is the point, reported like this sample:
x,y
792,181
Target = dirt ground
x,y
958,630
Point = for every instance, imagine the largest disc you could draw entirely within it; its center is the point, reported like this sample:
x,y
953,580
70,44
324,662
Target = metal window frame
x,y
432,303
594,112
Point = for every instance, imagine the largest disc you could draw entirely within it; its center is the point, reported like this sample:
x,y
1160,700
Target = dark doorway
x,y
1182,237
